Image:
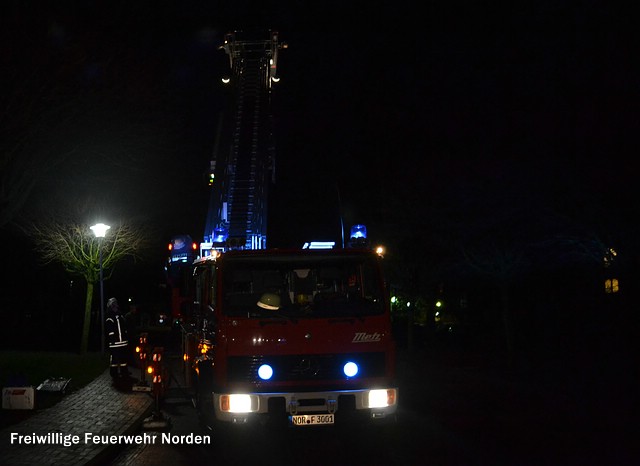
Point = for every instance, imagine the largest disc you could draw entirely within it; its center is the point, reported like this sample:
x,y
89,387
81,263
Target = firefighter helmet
x,y
112,303
270,301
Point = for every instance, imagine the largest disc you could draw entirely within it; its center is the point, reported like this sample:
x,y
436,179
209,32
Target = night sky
x,y
385,111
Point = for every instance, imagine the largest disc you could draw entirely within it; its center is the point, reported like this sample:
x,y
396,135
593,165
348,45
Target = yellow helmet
x,y
270,301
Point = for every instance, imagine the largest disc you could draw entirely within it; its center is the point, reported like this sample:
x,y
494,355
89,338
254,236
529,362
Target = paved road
x,y
453,411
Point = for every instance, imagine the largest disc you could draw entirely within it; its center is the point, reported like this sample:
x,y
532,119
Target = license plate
x,y
311,419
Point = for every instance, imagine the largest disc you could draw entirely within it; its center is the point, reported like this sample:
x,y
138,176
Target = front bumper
x,y
363,404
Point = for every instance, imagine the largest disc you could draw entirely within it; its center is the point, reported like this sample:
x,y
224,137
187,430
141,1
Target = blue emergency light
x,y
220,235
359,232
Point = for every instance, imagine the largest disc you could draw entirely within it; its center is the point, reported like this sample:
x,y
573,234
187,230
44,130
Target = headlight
x,y
382,398
238,403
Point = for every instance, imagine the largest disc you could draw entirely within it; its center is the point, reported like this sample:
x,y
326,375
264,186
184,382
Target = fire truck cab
x,y
294,336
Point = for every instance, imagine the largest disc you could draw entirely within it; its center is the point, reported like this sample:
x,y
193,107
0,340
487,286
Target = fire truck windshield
x,y
309,288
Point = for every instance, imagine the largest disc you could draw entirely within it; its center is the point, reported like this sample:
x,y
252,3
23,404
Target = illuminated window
x,y
611,285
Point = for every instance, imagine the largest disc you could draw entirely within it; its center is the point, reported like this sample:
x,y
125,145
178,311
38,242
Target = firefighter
x,y
116,329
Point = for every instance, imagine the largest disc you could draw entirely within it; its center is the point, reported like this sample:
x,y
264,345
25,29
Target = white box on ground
x,y
18,398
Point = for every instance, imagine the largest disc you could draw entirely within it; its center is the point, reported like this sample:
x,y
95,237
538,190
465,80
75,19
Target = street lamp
x,y
100,230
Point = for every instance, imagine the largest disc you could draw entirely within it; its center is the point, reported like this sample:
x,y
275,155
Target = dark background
x,y
442,126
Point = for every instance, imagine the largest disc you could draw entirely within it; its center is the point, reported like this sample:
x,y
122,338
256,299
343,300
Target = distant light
x,y
438,303
226,80
275,79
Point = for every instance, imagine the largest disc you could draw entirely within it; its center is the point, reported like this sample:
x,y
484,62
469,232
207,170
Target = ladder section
x,y
246,151
244,168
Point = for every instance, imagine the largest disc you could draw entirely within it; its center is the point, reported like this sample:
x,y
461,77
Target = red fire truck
x,y
293,336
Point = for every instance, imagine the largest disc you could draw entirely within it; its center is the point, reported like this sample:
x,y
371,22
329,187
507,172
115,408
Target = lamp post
x,y
100,230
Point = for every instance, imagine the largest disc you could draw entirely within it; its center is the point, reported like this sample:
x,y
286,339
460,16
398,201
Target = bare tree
x,y
78,250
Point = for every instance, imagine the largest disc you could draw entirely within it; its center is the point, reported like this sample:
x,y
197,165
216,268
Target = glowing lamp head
x,y
100,230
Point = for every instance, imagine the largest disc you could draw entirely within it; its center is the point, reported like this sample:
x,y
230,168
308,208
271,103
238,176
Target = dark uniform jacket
x,y
116,331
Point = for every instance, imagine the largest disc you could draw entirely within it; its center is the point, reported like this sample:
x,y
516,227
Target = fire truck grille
x,y
302,367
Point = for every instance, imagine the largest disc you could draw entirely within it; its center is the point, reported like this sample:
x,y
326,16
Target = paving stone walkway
x,y
89,417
